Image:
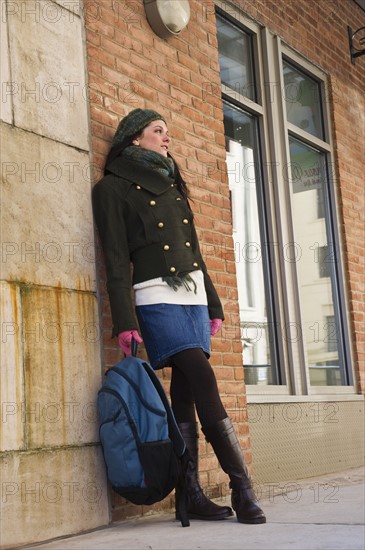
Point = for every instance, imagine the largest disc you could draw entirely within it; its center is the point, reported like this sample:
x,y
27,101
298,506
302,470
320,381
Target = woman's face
x,y
155,137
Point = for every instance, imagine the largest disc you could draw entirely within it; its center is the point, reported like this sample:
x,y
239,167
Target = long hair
x,y
117,150
179,180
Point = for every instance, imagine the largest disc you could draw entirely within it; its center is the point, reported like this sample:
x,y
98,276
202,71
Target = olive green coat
x,y
142,218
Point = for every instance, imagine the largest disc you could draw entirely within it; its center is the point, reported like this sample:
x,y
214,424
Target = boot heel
x,y
199,505
226,446
245,504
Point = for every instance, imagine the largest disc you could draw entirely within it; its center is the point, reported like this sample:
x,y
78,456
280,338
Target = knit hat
x,y
135,121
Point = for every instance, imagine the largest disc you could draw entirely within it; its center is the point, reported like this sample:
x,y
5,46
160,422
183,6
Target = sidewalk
x,y
324,513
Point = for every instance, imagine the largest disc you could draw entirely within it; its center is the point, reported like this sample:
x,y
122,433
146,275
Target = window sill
x,y
342,394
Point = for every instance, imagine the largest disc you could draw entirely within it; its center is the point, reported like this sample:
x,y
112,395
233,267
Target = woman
x,y
144,218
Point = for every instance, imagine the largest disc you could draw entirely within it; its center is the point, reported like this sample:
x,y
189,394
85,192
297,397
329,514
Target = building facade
x,y
266,112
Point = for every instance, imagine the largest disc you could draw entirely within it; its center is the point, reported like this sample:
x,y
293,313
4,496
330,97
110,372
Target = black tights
x,y
193,383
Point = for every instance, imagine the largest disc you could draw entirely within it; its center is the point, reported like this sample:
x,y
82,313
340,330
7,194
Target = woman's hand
x,y
215,326
125,340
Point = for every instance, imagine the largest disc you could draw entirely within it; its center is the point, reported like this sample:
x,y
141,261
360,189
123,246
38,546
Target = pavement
x,y
322,513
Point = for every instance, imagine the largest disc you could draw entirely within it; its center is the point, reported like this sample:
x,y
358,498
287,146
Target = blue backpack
x,y
144,451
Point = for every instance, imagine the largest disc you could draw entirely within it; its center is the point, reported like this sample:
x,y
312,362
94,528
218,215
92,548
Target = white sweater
x,y
157,291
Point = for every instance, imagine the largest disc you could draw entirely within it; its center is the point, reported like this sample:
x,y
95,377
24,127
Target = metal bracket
x,y
354,51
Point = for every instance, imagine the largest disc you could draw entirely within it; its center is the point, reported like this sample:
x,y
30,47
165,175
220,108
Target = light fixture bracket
x,y
356,37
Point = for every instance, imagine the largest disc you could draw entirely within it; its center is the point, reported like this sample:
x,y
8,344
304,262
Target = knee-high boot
x,y
228,451
199,505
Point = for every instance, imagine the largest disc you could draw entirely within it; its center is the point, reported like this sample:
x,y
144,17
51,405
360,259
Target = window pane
x,y
315,261
303,101
256,329
235,58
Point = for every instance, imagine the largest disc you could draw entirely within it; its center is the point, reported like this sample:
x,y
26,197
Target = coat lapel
x,y
148,179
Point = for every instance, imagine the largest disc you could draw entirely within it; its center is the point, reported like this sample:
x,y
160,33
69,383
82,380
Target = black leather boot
x,y
199,505
228,451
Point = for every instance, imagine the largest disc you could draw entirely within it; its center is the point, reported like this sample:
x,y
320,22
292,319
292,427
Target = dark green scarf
x,y
150,159
180,280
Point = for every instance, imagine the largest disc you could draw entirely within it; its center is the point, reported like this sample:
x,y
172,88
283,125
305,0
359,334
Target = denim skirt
x,y
167,329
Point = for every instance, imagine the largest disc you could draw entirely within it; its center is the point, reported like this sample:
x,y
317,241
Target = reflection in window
x,y
332,338
303,100
235,58
324,260
316,273
240,131
320,204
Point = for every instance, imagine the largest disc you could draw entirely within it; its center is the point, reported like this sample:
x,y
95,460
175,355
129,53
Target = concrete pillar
x,y
52,473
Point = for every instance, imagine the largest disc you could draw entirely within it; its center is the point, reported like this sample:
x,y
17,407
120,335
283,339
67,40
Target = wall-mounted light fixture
x,y
356,38
167,17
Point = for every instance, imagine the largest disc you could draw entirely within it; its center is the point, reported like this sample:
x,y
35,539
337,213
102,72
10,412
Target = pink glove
x,y
215,326
125,340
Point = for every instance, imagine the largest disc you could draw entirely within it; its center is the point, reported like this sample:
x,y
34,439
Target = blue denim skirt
x,y
167,329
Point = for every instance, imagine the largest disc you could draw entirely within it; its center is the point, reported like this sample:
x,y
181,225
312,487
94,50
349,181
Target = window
x,y
302,101
244,179
317,286
279,158
245,182
235,59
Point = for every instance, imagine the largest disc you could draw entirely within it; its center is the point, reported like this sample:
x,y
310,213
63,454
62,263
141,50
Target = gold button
x,y
172,269
166,247
195,264
160,224
152,203
178,198
185,221
187,244
138,187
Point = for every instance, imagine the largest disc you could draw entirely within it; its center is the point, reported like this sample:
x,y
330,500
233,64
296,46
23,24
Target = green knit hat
x,y
134,122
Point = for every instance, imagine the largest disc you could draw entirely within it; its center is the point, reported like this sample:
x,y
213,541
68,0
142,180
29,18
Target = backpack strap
x,y
134,347
181,494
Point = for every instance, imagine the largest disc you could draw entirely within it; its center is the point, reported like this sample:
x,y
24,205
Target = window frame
x,y
255,109
325,146
268,52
